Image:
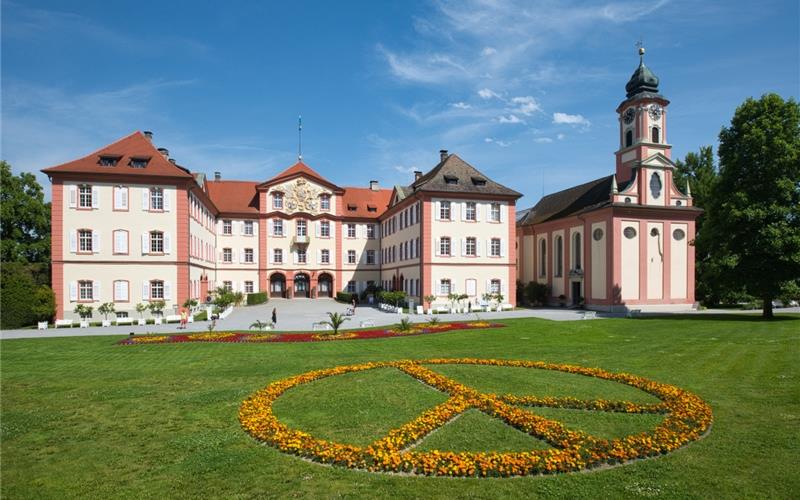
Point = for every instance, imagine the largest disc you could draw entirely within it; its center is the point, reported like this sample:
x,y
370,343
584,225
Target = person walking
x,y
274,315
184,319
354,306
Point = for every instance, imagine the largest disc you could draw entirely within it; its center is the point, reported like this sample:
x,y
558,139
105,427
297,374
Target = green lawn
x,y
84,417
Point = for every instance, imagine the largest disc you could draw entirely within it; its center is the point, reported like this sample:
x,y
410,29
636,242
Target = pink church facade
x,y
623,241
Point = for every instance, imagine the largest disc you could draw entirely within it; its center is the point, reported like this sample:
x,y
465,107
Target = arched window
x,y
559,257
576,250
543,257
629,138
655,135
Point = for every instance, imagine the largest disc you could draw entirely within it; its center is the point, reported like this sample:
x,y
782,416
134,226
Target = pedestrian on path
x,y
184,319
274,315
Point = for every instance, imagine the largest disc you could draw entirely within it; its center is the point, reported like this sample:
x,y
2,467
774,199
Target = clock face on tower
x,y
629,115
655,111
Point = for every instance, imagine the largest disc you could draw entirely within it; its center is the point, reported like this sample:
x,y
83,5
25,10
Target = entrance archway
x,y
277,285
325,285
301,285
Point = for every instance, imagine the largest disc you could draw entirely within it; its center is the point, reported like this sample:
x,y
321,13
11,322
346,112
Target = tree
x,y
24,300
24,218
753,216
335,320
106,308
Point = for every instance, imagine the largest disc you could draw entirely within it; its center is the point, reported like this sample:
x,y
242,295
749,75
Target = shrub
x,y
22,300
345,297
404,325
257,298
371,289
394,298
335,321
537,293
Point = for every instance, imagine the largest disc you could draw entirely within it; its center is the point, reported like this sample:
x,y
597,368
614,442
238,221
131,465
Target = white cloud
x,y
560,137
488,139
509,119
526,105
488,51
488,94
460,105
565,118
405,170
543,140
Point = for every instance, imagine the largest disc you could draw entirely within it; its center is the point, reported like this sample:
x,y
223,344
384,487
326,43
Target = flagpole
x,y
299,138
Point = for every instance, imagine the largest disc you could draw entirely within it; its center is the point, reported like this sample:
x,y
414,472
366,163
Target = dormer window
x,y
108,161
479,181
138,162
450,179
351,208
372,208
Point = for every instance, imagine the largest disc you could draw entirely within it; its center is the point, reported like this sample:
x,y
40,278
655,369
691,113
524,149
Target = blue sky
x,y
523,90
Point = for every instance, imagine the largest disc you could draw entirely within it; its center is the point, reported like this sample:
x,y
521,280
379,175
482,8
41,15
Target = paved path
x,y
300,314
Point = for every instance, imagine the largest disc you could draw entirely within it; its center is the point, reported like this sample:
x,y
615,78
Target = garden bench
x,y
506,307
442,309
589,315
41,325
124,321
173,318
367,322
64,322
84,323
320,326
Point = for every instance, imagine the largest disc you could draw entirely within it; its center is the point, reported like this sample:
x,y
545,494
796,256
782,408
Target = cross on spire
x,y
640,46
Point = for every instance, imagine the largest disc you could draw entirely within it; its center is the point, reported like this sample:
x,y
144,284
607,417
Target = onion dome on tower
x,y
643,80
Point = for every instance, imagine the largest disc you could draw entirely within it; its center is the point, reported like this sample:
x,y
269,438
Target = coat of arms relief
x,y
302,197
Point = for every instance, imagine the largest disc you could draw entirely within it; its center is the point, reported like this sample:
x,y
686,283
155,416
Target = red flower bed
x,y
245,337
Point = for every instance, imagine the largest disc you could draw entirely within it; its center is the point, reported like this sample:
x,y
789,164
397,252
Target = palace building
x,y
130,225
622,241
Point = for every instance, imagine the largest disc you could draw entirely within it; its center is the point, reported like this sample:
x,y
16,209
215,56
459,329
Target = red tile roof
x,y
300,169
362,199
234,196
135,145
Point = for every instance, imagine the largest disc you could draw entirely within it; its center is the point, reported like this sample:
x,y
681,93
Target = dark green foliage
x,y
394,298
536,293
24,218
345,297
24,298
371,289
256,298
752,223
201,316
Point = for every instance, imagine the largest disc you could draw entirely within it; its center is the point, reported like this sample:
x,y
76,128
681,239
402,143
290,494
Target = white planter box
x,y
159,321
106,322
84,323
141,322
41,325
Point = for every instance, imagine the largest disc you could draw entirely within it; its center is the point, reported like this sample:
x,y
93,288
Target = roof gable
x,y
299,169
571,201
126,152
657,160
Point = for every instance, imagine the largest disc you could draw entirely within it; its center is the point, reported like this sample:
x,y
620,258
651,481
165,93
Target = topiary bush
x,y
257,298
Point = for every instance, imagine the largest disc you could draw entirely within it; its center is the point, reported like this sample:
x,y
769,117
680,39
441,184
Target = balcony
x,y
301,240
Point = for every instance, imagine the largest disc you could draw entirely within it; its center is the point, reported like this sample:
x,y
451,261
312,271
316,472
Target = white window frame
x,y
227,227
85,196
495,247
494,212
277,201
227,255
471,211
86,291
445,287
351,256
156,287
445,208
248,228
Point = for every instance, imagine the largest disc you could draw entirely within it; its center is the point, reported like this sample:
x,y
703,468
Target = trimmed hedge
x,y
346,297
256,298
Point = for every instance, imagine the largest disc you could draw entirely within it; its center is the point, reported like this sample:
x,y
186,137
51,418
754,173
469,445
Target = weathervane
x,y
300,138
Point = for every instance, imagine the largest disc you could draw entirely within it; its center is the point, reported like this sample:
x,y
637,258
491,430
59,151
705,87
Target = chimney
x,y
442,154
173,161
417,174
148,135
373,185
217,176
164,152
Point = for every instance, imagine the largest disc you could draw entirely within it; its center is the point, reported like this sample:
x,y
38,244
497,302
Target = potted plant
x,y
461,299
141,308
335,321
84,312
105,309
562,300
429,300
156,307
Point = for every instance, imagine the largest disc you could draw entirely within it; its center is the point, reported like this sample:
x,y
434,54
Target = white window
x,y
444,246
120,198
495,247
351,287
156,242
120,291
302,228
351,230
121,241
325,229
471,247
325,256
85,196
494,286
471,211
277,227
248,287
85,241
370,257
351,256
277,256
227,255
157,290
277,200
156,199
86,289
444,210
227,227
248,255
302,256
228,285
444,287
325,202
495,212
248,228
371,231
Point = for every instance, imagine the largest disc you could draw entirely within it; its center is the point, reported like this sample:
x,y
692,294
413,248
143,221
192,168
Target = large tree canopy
x,y
24,218
753,216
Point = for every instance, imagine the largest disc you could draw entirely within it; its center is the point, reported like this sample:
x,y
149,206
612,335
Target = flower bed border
x,y
687,418
265,337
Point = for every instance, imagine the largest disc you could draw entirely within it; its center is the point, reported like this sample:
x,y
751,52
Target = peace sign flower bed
x,y
686,418
243,337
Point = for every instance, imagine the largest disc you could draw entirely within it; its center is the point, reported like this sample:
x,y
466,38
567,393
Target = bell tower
x,y
642,122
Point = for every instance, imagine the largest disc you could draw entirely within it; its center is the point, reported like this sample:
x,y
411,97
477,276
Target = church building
x,y
623,241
